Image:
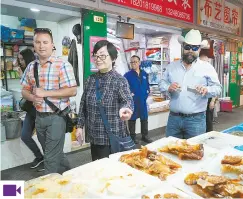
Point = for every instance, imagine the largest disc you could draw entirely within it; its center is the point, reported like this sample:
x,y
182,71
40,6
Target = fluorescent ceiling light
x,y
138,26
34,10
157,30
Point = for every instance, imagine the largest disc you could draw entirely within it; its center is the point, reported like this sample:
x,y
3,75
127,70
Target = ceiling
x,y
236,2
48,11
56,13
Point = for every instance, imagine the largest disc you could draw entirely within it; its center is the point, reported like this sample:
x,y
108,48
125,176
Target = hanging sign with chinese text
x,y
221,15
233,67
177,9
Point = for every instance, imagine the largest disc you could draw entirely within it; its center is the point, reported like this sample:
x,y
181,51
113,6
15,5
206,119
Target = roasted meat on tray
x,y
184,150
150,162
232,164
212,186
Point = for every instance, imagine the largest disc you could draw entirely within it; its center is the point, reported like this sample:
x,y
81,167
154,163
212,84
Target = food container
x,y
235,130
3,133
226,106
2,64
12,127
8,51
9,64
12,123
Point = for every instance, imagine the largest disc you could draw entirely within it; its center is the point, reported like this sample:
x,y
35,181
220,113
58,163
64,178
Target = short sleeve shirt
x,y
53,75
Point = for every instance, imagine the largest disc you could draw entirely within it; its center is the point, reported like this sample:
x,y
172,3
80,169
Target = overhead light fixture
x,y
34,10
157,30
138,26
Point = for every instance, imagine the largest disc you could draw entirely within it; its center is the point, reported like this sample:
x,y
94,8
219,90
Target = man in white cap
x,y
189,82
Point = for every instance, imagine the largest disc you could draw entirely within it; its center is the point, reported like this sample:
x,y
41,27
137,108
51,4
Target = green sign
x,y
234,88
94,29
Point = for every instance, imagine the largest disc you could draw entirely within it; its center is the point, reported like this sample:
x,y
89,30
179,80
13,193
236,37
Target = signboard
x,y
220,15
234,88
98,19
93,40
177,9
233,67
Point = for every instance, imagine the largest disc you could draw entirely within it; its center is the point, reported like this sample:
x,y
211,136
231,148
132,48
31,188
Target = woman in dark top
x,y
116,99
24,58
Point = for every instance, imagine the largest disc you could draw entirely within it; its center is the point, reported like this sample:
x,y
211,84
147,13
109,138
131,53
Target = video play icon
x,y
11,190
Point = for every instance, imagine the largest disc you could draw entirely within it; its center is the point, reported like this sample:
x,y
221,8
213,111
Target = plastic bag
x,y
5,33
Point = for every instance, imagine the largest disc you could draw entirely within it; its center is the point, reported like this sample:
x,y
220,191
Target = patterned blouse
x,y
115,95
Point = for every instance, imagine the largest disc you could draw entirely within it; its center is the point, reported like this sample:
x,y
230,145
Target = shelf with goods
x,y
9,53
159,58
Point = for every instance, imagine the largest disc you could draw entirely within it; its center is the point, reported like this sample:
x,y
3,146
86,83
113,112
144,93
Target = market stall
x,y
17,31
204,166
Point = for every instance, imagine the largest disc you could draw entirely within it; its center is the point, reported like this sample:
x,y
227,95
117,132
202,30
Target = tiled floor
x,y
225,120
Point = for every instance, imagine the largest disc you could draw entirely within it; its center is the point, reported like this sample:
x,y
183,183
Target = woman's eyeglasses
x,y
101,57
193,47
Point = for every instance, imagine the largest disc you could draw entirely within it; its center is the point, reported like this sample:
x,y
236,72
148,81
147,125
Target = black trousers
x,y
132,128
100,151
209,120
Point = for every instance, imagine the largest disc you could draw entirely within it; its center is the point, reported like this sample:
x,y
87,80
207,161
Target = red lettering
x,y
226,14
235,17
208,8
218,7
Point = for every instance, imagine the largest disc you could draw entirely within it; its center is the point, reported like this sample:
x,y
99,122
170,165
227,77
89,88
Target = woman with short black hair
x,y
116,100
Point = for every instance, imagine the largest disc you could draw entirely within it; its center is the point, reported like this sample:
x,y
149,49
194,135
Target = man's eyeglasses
x,y
193,47
134,62
101,57
43,30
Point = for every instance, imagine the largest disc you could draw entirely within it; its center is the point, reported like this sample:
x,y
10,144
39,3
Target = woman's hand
x,y
125,114
80,136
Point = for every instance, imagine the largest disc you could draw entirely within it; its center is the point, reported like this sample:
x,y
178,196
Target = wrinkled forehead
x,y
42,37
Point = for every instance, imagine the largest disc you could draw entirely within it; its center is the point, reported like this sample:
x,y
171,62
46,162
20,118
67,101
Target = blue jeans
x,y
27,133
186,127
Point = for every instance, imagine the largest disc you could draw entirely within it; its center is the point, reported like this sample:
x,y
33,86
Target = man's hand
x,y
37,100
173,87
40,92
125,114
80,136
202,90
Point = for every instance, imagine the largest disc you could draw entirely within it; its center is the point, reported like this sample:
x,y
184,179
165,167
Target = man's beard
x,y
189,58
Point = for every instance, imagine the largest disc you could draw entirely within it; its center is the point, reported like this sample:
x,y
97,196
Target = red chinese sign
x,y
177,9
220,14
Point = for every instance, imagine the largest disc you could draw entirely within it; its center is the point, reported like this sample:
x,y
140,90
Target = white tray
x,y
215,164
95,176
177,181
209,154
218,140
212,167
167,188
